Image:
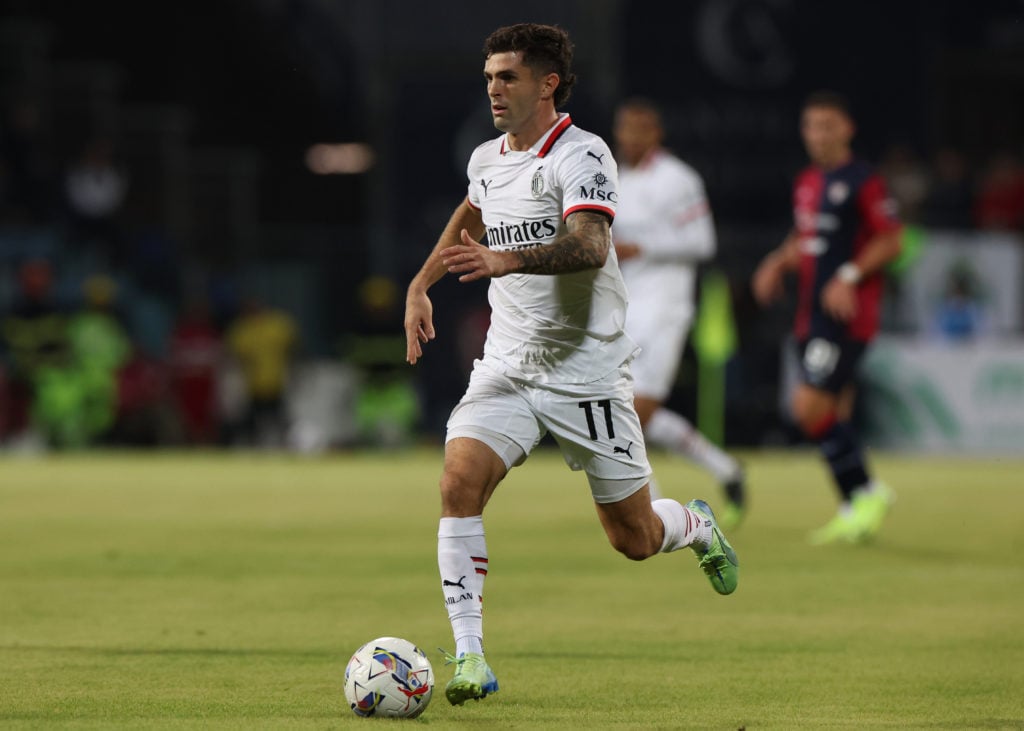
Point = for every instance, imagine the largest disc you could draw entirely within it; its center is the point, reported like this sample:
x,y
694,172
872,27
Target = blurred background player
x,y
663,228
845,231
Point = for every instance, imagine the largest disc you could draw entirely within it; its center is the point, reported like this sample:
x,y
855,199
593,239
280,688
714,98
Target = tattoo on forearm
x,y
584,247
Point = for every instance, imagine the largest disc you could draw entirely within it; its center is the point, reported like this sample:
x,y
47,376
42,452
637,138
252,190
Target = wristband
x,y
849,273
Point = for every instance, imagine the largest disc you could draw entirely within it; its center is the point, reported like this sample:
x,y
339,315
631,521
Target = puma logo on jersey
x,y
623,450
445,582
599,158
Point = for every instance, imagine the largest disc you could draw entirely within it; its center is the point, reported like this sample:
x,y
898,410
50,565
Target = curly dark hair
x,y
546,49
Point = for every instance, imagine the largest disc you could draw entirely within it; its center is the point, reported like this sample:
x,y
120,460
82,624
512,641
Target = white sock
x,y
671,431
683,527
866,489
462,561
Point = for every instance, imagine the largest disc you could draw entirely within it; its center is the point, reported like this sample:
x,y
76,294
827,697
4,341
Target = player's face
x,y
637,132
827,133
517,95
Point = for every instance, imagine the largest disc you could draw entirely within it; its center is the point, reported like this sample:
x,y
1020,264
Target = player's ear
x,y
547,89
851,126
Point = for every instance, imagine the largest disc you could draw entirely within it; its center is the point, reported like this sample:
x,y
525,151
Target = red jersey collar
x,y
542,146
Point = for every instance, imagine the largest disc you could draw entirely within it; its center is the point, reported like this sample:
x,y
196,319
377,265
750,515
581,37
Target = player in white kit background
x,y
556,355
663,229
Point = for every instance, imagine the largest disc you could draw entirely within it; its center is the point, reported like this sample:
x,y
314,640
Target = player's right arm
x,y
419,319
770,273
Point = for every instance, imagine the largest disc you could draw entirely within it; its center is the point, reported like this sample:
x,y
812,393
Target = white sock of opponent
x,y
683,527
671,431
462,561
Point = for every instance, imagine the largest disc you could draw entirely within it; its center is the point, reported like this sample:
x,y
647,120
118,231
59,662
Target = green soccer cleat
x,y
732,515
717,560
870,507
473,679
845,527
735,509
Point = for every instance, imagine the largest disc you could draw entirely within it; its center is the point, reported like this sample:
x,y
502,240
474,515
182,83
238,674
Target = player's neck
x,y
524,139
644,159
836,161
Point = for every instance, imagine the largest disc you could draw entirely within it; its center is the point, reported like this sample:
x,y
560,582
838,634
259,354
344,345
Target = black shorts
x,y
829,364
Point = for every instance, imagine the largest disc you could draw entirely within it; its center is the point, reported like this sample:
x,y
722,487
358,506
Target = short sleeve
x,y
589,179
877,208
473,175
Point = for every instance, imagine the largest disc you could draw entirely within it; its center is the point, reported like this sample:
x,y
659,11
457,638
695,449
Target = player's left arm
x,y
839,297
584,246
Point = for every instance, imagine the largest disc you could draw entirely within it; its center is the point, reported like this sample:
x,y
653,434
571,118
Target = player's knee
x,y
813,420
462,493
813,416
816,426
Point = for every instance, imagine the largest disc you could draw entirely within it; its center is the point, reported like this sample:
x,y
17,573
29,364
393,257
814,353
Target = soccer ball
x,y
389,676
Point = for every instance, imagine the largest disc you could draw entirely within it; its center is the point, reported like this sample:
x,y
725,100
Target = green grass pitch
x,y
228,590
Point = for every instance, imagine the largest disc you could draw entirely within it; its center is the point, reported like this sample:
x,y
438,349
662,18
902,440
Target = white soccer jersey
x,y
663,209
565,328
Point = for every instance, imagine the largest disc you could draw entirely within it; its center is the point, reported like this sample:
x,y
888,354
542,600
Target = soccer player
x,y
845,232
556,354
663,227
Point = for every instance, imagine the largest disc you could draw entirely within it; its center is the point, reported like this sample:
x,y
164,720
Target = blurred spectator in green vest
x,y
76,402
34,338
387,408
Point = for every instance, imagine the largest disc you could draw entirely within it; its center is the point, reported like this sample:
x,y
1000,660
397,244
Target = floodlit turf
x,y
227,591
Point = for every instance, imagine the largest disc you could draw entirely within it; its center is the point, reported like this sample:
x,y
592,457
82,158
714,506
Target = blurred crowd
x,y
950,190
99,340
102,342
74,374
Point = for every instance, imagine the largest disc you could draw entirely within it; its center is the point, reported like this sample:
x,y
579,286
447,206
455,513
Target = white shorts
x,y
661,337
594,424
